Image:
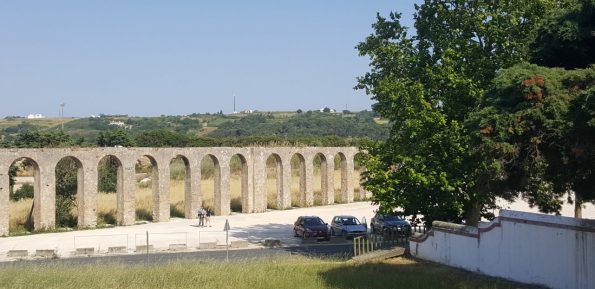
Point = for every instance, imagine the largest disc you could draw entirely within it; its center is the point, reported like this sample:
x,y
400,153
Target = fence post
x,y
147,248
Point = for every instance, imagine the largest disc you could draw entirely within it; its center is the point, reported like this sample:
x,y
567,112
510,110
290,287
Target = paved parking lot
x,y
182,234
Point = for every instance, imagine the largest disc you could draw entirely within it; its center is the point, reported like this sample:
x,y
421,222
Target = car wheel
x,y
295,233
304,235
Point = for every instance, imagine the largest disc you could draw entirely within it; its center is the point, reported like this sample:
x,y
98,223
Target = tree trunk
x,y
578,205
473,214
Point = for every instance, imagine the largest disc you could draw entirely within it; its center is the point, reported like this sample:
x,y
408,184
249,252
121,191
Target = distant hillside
x,y
267,125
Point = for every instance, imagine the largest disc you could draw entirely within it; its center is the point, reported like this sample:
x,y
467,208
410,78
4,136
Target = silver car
x,y
348,226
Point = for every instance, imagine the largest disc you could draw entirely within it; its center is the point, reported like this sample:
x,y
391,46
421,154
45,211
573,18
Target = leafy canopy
x,y
427,85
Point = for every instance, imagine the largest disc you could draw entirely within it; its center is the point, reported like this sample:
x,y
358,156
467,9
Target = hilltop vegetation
x,y
270,128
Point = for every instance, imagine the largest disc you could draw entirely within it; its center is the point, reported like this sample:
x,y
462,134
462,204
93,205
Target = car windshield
x,y
392,218
350,221
313,222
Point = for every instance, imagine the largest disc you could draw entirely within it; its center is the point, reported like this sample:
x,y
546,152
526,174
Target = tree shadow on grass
x,y
409,273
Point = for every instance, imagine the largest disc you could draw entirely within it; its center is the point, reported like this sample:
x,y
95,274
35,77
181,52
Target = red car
x,y
311,226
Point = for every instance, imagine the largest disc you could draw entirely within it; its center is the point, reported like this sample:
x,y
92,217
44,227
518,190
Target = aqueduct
x,y
254,175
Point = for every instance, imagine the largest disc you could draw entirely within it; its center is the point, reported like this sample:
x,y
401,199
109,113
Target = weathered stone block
x,y
239,244
17,253
143,248
177,247
45,253
117,250
207,245
85,251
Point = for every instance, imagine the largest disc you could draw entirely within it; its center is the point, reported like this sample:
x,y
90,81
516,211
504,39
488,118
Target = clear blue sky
x,y
180,57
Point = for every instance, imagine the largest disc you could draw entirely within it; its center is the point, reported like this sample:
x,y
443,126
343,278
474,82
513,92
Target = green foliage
x,y
116,137
162,138
304,125
316,129
538,122
66,189
24,192
108,175
566,38
427,85
41,139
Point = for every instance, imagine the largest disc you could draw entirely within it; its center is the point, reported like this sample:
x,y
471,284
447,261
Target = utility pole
x,y
234,103
62,115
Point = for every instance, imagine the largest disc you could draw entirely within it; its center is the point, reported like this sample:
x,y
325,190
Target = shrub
x,y
24,192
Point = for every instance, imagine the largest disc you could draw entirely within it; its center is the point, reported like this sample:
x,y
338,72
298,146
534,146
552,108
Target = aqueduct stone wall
x,y
254,189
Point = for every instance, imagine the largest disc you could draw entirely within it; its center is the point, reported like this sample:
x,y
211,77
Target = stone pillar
x,y
329,191
44,202
248,186
309,180
126,190
347,180
302,183
192,194
324,180
259,180
222,200
4,197
286,182
87,194
161,194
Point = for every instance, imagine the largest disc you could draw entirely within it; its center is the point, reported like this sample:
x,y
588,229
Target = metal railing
x,y
387,238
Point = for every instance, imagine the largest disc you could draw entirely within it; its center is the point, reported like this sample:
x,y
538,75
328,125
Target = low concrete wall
x,y
557,252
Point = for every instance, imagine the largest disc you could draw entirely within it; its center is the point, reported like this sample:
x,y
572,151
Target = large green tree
x,y
566,38
539,123
427,85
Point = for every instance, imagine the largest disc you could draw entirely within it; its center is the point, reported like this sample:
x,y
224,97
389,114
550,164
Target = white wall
x,y
557,252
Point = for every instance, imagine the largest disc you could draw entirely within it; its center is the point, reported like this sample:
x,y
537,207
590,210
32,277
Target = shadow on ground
x,y
256,234
409,273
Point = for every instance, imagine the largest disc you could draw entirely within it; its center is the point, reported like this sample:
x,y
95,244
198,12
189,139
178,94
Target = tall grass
x,y
278,273
18,212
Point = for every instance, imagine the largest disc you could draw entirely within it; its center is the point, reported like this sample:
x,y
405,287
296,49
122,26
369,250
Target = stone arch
x,y
211,170
110,189
69,193
298,187
179,170
320,165
145,202
274,168
238,168
21,213
340,175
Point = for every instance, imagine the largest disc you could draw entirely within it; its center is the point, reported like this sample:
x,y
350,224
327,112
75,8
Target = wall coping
x,y
537,219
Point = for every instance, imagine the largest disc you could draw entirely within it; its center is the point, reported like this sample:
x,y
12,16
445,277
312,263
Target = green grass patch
x,y
290,272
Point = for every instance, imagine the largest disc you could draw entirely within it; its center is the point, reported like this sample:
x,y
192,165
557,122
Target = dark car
x,y
311,226
382,223
348,226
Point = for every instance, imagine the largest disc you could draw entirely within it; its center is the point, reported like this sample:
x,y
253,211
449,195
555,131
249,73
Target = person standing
x,y
208,216
201,217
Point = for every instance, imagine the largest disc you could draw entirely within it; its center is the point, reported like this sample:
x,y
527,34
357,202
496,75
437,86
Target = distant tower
x,y
234,104
62,115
